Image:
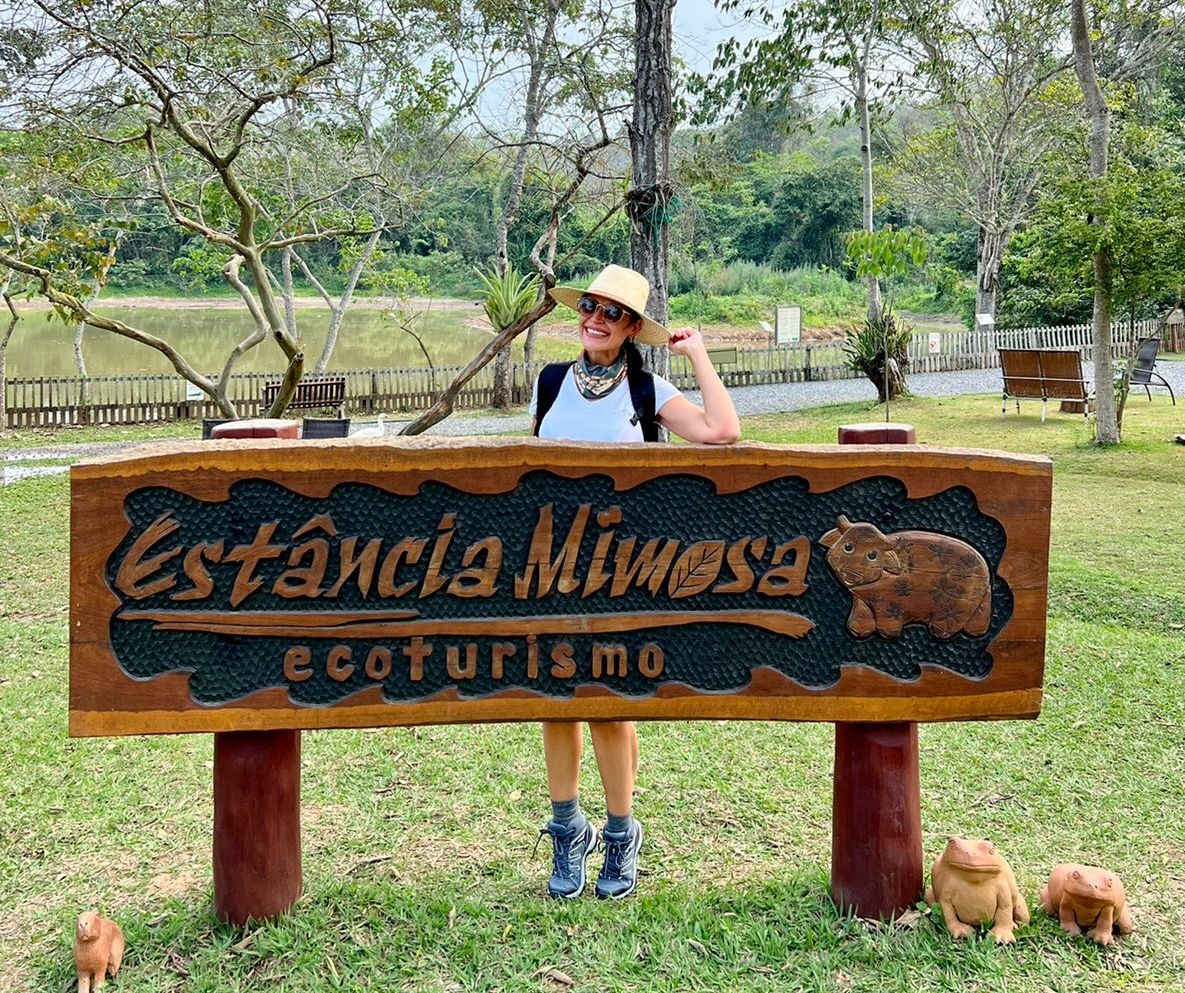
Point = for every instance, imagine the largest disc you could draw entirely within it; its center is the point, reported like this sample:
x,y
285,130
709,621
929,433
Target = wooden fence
x,y
72,400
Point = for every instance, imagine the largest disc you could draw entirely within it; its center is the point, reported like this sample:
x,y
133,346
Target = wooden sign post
x,y
876,799
260,586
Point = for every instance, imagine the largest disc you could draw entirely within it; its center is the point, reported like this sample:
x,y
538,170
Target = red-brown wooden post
x,y
876,812
257,870
257,859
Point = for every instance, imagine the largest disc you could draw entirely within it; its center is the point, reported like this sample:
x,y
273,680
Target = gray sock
x,y
567,812
619,826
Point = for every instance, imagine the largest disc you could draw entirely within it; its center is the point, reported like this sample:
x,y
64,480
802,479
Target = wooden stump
x,y
877,434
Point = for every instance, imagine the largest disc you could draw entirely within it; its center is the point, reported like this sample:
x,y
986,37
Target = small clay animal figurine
x,y
98,951
1086,896
974,885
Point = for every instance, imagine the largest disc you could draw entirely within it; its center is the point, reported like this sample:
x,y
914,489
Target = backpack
x,y
641,385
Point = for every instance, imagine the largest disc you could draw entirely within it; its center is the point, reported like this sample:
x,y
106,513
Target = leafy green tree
x,y
787,211
1050,271
850,46
813,211
241,121
1143,34
1000,100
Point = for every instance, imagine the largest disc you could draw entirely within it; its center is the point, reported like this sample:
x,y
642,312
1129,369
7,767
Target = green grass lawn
x,y
419,866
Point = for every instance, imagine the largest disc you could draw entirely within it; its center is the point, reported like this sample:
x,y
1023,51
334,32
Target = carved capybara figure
x,y
909,576
974,884
1087,896
98,951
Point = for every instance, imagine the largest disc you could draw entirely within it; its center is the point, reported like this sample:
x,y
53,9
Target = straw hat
x,y
624,286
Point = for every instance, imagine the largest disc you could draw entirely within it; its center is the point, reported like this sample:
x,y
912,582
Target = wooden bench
x,y
262,587
1044,374
311,394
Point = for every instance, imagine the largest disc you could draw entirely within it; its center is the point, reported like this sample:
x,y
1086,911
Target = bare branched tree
x,y
245,122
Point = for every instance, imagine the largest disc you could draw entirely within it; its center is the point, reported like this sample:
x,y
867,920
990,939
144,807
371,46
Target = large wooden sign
x,y
274,584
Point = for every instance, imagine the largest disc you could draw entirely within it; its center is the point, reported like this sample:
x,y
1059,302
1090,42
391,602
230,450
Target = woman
x,y
605,396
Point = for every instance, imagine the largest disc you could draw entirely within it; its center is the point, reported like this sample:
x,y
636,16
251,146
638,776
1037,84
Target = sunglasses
x,y
613,312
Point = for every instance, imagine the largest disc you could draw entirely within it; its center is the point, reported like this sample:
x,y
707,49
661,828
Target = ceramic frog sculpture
x,y
1086,896
974,884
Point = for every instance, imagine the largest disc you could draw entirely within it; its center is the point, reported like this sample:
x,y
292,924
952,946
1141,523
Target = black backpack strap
x,y
641,393
551,378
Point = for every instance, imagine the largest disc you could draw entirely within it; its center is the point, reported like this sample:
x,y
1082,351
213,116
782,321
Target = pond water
x,y
206,335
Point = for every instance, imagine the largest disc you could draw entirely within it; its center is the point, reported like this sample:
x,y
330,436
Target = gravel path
x,y
775,398
748,399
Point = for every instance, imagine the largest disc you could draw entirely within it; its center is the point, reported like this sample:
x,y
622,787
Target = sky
x,y
699,27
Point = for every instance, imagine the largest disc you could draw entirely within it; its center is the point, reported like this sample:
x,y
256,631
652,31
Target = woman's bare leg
x,y
615,744
563,745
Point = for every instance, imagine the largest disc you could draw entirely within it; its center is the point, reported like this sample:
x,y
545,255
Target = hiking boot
x,y
619,875
571,848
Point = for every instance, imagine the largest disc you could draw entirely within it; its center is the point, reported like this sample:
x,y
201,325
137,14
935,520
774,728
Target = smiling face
x,y
601,338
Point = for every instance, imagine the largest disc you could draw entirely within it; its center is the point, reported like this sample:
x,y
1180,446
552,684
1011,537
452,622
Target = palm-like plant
x,y
509,295
880,350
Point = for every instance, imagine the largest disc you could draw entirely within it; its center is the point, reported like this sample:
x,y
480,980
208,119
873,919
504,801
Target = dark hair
x,y
633,358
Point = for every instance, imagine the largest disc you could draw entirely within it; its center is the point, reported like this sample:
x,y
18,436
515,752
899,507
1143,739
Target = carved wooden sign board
x,y
266,584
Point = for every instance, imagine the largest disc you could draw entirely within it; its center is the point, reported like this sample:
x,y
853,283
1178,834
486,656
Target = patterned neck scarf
x,y
595,381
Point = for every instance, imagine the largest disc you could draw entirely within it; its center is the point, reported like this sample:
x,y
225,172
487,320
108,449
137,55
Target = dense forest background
x,y
396,149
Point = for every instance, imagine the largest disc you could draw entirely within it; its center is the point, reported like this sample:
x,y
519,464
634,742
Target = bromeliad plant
x,y
868,344
879,347
509,295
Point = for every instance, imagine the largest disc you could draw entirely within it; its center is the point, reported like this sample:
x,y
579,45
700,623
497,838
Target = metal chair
x,y
1144,371
325,427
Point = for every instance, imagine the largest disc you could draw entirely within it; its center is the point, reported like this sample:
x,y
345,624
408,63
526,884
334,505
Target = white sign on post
x,y
193,392
935,343
787,324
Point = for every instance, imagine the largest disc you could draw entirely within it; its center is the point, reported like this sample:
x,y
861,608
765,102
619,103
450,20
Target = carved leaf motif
x,y
696,570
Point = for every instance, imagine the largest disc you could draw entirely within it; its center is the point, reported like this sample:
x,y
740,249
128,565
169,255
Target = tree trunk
x,y
1106,412
4,340
79,359
80,364
989,254
1106,418
875,303
888,379
338,308
648,201
985,300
